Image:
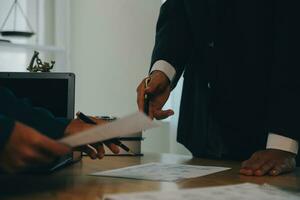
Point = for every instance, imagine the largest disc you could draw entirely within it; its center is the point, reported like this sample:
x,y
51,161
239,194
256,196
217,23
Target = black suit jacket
x,y
241,72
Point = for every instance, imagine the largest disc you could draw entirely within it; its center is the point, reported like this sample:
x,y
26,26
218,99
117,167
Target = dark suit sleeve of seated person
x,y
6,127
38,118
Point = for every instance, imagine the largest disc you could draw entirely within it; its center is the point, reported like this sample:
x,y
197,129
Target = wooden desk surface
x,y
73,183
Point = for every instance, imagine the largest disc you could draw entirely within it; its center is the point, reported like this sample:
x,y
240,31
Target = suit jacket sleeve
x,y
284,99
173,37
6,127
38,118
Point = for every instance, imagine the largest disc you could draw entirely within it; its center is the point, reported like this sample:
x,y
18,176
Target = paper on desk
x,y
131,124
246,191
161,172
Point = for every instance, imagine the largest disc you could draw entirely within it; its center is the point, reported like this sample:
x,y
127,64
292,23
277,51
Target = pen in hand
x,y
85,118
117,142
147,97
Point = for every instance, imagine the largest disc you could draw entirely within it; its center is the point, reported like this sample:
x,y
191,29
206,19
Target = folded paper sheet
x,y
131,124
161,171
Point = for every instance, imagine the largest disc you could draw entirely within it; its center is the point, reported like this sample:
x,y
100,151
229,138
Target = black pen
x,y
115,141
146,97
85,118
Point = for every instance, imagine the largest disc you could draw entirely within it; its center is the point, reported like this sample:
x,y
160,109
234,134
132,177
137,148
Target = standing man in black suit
x,y
241,92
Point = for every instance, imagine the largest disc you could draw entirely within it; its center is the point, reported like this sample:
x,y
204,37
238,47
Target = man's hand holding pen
x,y
152,94
93,150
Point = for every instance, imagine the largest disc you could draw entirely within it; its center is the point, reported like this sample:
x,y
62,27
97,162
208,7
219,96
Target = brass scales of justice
x,y
36,64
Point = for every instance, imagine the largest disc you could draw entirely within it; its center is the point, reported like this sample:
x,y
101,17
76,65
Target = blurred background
x,y
106,43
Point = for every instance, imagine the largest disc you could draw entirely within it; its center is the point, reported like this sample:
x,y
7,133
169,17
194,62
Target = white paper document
x,y
131,124
246,191
161,172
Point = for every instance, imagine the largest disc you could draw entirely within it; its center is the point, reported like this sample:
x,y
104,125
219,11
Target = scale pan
x,y
17,33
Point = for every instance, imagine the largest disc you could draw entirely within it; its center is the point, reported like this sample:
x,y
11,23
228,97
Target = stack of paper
x,y
245,191
161,171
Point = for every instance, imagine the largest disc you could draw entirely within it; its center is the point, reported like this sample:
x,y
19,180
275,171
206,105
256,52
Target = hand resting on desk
x,y
269,162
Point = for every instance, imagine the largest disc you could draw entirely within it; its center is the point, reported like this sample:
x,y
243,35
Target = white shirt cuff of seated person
x,y
164,67
283,143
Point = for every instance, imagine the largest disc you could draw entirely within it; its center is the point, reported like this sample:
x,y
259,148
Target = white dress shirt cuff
x,y
164,67
280,142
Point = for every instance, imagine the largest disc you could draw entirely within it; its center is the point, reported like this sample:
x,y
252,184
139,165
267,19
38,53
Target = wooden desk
x,y
73,183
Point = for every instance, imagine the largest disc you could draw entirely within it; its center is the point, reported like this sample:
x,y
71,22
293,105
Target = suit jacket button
x,y
211,44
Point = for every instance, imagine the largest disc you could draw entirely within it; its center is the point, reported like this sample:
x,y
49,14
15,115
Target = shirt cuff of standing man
x,y
280,142
275,141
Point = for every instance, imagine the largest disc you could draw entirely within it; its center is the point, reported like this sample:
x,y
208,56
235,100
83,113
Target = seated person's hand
x,y
93,150
269,162
27,148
